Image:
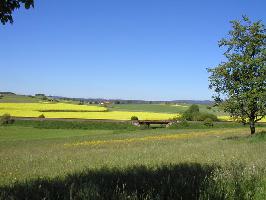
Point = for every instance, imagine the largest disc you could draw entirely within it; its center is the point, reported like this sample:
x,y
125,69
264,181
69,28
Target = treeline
x,y
7,93
111,101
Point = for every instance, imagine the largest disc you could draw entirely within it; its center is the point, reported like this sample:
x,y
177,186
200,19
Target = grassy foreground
x,y
121,162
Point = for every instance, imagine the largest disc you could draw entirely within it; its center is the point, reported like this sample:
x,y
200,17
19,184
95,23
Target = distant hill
x,y
206,102
12,97
7,93
123,101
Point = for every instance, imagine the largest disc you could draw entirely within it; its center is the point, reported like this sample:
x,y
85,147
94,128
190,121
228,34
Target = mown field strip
x,y
147,138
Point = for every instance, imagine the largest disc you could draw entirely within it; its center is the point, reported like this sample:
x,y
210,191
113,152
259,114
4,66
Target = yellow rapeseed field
x,y
67,110
228,118
64,110
45,106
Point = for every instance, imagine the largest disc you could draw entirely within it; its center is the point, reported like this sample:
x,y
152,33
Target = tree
x,y
7,7
193,114
239,82
117,102
194,108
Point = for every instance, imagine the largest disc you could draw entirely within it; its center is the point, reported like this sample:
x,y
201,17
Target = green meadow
x,y
85,160
164,108
130,100
50,159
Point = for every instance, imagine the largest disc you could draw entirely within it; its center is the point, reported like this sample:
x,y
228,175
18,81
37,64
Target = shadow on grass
x,y
234,138
183,181
259,136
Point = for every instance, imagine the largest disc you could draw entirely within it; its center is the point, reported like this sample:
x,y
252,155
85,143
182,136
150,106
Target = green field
x,y
164,108
159,108
12,98
111,112
93,161
35,106
114,111
49,159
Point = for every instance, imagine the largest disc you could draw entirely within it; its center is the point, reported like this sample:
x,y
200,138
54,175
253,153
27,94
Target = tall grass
x,y
181,181
37,163
235,182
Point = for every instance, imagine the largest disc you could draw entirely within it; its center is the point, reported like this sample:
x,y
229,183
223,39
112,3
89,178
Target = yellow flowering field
x,y
64,110
130,140
148,138
228,118
67,110
49,107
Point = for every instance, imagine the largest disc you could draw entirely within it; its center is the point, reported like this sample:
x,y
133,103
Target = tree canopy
x,y
7,8
239,82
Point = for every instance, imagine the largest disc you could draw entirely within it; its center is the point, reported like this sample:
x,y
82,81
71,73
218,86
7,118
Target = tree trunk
x,y
252,127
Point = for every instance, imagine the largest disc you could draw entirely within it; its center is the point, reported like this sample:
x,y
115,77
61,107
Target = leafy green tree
x,y
134,118
191,112
7,7
117,102
194,108
239,82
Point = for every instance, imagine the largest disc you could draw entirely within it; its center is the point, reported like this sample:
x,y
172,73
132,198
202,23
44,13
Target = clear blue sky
x,y
129,49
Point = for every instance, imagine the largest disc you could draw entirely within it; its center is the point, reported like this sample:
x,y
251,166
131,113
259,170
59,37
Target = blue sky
x,y
141,49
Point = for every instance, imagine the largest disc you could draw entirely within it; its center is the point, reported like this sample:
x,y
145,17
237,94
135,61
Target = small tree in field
x,y
6,119
191,112
239,83
134,118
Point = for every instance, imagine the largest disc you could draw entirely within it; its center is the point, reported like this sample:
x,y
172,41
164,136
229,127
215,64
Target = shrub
x,y
208,122
209,107
42,116
204,116
134,118
117,102
193,114
193,108
81,103
177,118
187,116
7,119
